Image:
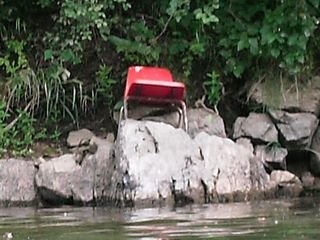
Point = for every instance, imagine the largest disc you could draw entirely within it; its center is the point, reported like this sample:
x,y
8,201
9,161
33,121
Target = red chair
x,y
153,85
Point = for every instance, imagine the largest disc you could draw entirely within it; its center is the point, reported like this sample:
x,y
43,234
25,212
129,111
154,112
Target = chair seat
x,y
143,88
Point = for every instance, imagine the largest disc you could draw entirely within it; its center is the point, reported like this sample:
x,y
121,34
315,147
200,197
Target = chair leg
x,y
184,115
125,108
120,115
179,110
123,112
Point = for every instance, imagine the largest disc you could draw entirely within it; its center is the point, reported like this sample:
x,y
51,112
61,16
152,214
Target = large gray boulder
x,y
295,129
202,120
155,162
257,126
17,182
67,180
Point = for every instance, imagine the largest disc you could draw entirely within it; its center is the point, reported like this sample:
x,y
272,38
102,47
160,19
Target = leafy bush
x,y
65,56
18,137
275,33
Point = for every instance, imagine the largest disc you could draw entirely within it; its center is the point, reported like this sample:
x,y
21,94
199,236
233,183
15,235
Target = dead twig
x,y
164,29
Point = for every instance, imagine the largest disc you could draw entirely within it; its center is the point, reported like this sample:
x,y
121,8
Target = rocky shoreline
x,y
153,163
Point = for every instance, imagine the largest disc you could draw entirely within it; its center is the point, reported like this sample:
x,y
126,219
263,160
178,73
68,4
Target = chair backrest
x,y
152,74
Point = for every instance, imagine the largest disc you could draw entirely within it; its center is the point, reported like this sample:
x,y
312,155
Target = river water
x,y
277,219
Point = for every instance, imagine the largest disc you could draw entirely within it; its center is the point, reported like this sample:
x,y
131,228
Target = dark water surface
x,y
281,219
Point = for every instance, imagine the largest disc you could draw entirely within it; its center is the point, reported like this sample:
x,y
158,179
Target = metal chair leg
x,y
185,117
125,107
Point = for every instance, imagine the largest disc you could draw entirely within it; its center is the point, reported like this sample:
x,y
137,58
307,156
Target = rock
x,y
225,169
317,184
150,157
307,180
298,98
273,157
256,126
246,142
62,180
17,182
77,138
289,184
7,236
110,137
262,187
172,118
315,156
201,120
295,129
157,163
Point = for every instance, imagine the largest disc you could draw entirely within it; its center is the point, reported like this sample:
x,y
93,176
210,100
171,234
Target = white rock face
x,y
157,161
17,182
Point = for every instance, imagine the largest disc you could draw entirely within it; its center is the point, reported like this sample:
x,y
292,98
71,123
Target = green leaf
x,y
243,42
197,48
293,40
48,54
254,48
267,35
275,52
315,3
67,55
300,58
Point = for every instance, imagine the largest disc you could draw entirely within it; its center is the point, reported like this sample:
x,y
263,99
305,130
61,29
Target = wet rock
x,y
261,186
65,180
315,156
17,182
295,129
307,180
273,157
79,137
317,183
202,120
256,126
299,98
157,163
289,185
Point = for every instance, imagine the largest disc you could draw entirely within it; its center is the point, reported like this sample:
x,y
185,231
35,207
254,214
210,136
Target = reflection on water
x,y
294,219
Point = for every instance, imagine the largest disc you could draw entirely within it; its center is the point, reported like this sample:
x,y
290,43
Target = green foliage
x,y
53,124
62,58
14,58
275,33
213,88
18,137
105,84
